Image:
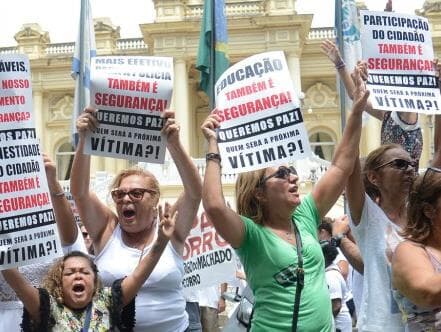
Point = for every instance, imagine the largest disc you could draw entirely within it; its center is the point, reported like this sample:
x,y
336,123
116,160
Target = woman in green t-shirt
x,y
269,211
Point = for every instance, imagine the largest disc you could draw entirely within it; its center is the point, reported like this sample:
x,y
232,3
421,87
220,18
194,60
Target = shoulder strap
x,y
300,273
87,319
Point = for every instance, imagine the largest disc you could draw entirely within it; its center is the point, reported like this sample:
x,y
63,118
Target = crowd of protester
x,y
376,268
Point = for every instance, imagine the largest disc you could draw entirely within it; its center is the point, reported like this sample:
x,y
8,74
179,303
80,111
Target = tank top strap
x,y
433,259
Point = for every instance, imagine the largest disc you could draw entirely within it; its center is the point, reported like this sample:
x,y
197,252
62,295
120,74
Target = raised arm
x,y
95,215
333,54
414,277
134,281
331,185
188,202
64,217
227,222
27,293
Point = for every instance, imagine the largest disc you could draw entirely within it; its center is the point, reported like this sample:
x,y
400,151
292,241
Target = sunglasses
x,y
401,164
282,173
135,194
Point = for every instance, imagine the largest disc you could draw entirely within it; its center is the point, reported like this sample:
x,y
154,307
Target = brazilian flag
x,y
213,20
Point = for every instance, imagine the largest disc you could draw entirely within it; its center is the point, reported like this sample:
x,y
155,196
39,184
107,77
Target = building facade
x,y
254,26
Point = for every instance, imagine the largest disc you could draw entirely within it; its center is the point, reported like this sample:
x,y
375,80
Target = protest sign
x,y
208,259
261,121
131,93
28,233
399,54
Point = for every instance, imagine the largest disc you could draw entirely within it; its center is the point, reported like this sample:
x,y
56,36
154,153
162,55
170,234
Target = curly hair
x,y
425,191
248,205
53,281
153,182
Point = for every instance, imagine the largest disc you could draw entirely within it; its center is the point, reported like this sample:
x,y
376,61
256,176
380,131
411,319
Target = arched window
x,y
323,145
64,158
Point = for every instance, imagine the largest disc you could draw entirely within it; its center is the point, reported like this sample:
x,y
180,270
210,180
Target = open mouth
x,y
128,213
78,288
293,189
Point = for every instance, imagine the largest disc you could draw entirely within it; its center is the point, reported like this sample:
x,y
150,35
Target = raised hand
x,y
51,170
171,128
87,121
209,126
331,50
361,94
167,221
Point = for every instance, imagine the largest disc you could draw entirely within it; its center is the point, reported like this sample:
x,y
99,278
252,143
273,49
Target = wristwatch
x,y
336,239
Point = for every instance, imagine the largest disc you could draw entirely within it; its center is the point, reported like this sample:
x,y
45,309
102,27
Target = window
x,y
322,145
64,158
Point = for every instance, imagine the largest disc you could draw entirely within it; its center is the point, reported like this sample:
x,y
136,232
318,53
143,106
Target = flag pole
x,y
341,87
81,75
339,33
212,101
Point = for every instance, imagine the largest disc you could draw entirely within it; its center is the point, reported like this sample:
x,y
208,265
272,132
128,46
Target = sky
x,y
60,17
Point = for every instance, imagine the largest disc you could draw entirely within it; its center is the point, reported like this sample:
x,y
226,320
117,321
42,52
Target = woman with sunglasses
x,y
122,238
263,231
416,264
388,172
376,224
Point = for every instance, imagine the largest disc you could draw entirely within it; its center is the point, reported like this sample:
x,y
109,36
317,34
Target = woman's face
x,y
280,187
138,213
78,282
397,173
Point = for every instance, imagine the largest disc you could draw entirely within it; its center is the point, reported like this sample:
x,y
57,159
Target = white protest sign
x,y
261,120
399,54
28,233
131,93
208,259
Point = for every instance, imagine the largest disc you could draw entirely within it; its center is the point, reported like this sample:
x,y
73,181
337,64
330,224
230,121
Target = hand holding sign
x,y
87,121
171,128
51,170
209,127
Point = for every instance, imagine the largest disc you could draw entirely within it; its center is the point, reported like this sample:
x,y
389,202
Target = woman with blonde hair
x,y
121,237
275,233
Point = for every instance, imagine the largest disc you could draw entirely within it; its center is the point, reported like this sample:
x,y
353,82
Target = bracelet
x,y
213,156
59,194
341,64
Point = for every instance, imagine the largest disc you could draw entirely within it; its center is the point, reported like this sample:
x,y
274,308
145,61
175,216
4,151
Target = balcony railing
x,y
322,33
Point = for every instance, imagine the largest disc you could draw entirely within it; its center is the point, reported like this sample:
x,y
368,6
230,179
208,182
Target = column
x,y
294,70
181,103
372,134
37,97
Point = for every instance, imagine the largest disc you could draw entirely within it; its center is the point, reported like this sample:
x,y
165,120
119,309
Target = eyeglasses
x,y
282,173
431,169
135,194
401,164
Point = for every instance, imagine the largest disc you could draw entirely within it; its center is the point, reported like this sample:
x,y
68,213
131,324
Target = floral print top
x,y
409,136
106,313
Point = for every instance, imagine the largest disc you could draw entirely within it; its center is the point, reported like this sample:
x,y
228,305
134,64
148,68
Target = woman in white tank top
x,y
122,238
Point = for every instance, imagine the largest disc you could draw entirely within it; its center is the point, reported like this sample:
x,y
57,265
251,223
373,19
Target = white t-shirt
x,y
160,303
378,311
337,290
